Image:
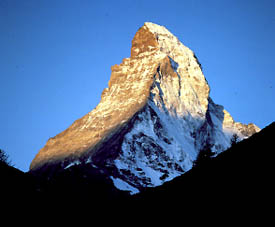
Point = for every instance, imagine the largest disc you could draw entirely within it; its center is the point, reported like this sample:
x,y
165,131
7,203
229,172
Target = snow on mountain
x,y
152,120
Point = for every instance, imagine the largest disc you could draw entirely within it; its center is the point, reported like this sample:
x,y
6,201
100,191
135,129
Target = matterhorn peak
x,y
152,37
152,121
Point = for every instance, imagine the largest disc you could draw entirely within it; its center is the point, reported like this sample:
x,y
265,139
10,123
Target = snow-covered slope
x,y
152,121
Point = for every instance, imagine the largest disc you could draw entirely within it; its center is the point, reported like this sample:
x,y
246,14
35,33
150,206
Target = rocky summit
x,y
152,121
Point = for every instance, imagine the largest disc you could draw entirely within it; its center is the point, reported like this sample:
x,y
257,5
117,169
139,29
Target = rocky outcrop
x,y
152,120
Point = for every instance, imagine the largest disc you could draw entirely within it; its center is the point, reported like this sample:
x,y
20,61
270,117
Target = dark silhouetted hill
x,y
240,176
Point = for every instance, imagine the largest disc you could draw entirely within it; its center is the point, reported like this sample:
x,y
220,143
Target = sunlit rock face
x,y
152,120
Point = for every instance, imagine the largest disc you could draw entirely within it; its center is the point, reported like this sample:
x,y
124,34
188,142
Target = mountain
x,y
151,123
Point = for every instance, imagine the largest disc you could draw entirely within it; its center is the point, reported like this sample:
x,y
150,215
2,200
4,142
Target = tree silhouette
x,y
4,158
234,139
204,155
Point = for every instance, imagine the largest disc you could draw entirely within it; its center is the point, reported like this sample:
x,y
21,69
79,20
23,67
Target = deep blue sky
x,y
55,59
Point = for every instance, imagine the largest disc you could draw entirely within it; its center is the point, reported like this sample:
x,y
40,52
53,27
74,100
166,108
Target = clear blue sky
x,y
55,59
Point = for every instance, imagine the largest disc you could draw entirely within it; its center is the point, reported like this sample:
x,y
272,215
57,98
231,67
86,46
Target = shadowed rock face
x,y
152,120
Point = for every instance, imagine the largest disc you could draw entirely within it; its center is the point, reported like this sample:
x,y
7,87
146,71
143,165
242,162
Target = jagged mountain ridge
x,y
152,120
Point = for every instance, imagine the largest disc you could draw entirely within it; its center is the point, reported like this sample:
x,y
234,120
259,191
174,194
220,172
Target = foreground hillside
x,y
242,175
